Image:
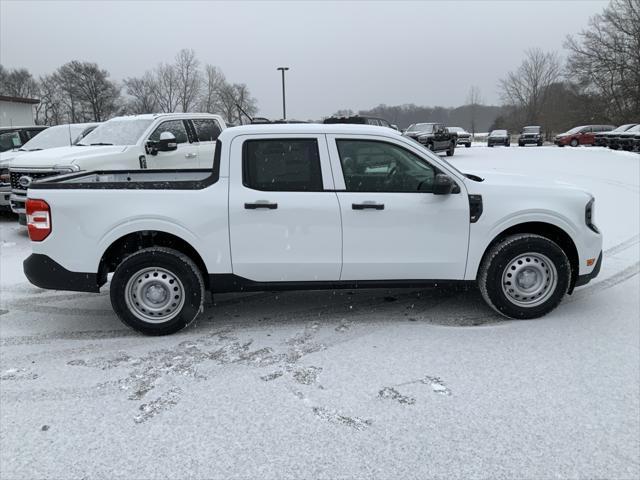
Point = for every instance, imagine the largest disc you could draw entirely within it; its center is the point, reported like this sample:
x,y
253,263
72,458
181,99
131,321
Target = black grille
x,y
15,177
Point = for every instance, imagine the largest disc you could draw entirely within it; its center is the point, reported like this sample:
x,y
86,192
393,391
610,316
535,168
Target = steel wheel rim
x,y
529,279
154,295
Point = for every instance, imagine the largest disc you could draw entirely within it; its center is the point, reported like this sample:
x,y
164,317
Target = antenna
x,y
245,113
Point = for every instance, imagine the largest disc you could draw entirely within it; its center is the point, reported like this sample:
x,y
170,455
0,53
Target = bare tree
x,y
17,83
214,84
166,89
142,93
528,86
189,78
605,58
233,96
50,110
474,99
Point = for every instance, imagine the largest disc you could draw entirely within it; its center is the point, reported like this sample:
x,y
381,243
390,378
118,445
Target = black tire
x,y
431,147
539,144
489,145
175,270
520,144
494,275
574,142
467,145
451,150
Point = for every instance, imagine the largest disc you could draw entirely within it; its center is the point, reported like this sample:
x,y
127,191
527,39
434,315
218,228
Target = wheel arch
x,y
547,230
134,241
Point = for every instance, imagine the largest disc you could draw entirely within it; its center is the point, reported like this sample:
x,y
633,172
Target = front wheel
x,y
524,276
157,291
574,142
451,150
467,145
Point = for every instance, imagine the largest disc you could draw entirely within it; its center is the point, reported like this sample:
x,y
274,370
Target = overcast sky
x,y
342,55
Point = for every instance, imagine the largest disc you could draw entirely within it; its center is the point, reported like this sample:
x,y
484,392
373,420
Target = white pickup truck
x,y
308,207
154,141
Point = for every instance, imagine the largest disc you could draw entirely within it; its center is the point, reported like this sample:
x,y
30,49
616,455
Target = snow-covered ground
x,y
360,384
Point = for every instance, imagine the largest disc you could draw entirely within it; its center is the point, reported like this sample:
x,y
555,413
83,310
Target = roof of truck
x,y
308,128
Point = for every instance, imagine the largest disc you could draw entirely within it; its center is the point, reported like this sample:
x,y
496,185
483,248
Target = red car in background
x,y
584,135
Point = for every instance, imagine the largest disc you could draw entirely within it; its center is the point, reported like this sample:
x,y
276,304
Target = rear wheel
x,y
157,291
524,276
467,145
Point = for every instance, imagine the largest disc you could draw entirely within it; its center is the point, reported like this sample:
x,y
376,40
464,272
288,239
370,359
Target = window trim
x,y
437,169
245,161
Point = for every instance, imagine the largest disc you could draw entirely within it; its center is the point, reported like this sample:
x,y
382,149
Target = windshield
x,y
118,131
624,128
58,136
421,127
574,130
498,133
531,130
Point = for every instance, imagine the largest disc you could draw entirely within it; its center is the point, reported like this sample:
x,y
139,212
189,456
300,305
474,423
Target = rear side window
x,y
287,165
207,129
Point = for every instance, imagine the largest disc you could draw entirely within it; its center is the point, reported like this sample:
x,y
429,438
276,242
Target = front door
x,y
185,156
393,226
284,217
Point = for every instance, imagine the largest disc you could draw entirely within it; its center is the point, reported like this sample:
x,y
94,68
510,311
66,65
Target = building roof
x,y
33,101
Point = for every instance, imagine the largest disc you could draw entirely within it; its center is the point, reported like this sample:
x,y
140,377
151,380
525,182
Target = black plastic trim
x,y
584,279
44,272
229,282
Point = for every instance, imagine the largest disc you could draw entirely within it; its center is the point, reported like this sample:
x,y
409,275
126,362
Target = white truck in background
x,y
51,137
151,141
308,207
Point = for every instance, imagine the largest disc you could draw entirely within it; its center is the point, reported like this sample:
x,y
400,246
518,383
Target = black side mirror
x,y
443,184
167,142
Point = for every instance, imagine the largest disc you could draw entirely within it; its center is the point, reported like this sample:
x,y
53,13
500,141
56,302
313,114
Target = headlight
x,y
589,215
4,175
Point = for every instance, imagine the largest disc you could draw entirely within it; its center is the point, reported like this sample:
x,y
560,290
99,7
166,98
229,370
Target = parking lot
x,y
378,383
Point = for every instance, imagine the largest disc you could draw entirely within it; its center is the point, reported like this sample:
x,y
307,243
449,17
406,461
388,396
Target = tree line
x,y
80,91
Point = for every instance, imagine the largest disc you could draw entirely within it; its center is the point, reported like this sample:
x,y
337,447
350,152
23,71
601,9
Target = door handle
x,y
256,205
190,155
369,205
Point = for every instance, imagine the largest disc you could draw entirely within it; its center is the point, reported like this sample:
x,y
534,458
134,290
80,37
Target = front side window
x,y
9,141
287,165
372,166
176,127
207,129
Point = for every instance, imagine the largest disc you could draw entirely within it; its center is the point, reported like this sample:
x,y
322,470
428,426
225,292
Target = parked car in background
x,y
52,137
583,135
153,141
434,136
602,139
524,242
624,140
499,137
464,137
14,137
360,120
531,135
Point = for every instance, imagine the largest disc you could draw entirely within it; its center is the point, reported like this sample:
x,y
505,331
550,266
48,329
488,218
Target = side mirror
x,y
443,184
167,142
395,127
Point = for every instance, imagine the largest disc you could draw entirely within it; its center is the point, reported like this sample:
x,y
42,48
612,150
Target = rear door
x,y
394,228
284,215
185,156
207,131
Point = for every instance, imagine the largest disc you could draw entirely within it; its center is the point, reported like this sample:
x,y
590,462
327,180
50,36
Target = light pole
x,y
284,105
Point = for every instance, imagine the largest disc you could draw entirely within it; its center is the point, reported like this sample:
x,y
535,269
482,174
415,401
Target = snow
x,y
368,384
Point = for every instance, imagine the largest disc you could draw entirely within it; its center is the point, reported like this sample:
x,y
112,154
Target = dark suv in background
x,y
499,137
531,135
435,136
15,137
583,135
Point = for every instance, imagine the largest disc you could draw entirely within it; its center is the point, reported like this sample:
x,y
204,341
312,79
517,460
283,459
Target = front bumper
x,y
584,279
463,141
45,272
529,140
5,197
